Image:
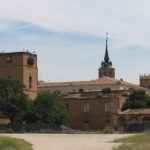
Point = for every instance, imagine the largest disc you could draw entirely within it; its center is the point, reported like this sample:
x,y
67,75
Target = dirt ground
x,y
70,141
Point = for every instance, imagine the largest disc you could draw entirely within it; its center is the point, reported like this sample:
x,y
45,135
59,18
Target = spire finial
x,y
107,34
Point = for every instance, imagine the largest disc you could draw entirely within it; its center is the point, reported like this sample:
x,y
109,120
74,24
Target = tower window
x,y
30,82
8,59
30,61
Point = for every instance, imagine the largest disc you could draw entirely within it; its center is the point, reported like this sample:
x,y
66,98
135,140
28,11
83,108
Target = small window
x,y
8,59
67,106
86,107
86,122
30,61
30,82
106,107
81,90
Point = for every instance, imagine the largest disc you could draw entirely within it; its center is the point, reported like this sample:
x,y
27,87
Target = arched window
x,y
30,82
86,107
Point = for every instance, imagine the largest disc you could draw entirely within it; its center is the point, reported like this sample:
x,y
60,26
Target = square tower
x,y
145,81
23,67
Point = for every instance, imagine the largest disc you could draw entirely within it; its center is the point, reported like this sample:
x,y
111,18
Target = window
x,y
107,107
30,82
8,59
86,107
110,107
30,61
67,106
81,90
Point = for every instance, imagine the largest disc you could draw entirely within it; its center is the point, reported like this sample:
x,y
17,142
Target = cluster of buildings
x,y
93,104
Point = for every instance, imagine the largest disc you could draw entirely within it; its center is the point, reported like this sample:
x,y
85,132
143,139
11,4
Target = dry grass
x,y
7,143
136,142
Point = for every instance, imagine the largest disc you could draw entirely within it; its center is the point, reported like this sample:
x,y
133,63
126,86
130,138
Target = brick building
x,y
145,81
134,119
93,104
93,109
23,67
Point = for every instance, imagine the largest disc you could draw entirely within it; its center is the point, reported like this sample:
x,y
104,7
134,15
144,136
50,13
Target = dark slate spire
x,y
106,58
106,61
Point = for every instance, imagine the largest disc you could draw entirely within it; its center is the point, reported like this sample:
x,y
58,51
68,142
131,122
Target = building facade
x,y
93,104
145,81
93,110
23,67
134,120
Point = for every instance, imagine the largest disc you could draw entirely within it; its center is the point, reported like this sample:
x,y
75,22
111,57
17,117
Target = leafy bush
x,y
13,100
49,111
137,99
106,90
26,115
108,130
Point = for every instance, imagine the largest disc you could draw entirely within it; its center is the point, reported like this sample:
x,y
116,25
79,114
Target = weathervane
x,y
107,35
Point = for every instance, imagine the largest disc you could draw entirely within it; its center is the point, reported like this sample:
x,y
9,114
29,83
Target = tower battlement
x,y
145,76
145,81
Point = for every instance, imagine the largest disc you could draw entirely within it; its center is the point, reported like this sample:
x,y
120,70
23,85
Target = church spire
x,y
106,69
106,58
106,61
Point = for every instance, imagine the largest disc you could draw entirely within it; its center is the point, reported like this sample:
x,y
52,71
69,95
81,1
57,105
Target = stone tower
x,y
23,67
106,69
145,81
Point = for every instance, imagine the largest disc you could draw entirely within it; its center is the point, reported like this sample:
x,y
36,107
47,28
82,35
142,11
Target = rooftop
x,y
102,81
140,111
16,53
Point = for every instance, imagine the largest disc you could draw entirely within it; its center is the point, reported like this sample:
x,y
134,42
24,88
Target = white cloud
x,y
128,20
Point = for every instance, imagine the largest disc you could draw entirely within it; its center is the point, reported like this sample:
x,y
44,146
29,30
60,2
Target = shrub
x,y
108,130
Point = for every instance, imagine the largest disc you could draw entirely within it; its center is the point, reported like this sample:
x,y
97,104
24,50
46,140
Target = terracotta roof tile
x,y
102,81
136,111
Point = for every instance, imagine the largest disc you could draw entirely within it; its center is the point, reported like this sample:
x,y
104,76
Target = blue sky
x,y
69,36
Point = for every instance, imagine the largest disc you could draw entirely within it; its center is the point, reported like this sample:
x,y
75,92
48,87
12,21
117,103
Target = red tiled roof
x,y
102,81
140,111
105,81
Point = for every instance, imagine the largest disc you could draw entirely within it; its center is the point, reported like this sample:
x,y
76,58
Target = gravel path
x,y
70,141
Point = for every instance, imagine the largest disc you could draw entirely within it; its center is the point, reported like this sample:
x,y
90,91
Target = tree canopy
x,y
137,99
44,110
48,110
13,100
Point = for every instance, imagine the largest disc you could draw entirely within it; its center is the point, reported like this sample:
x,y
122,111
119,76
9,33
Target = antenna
x,y
34,51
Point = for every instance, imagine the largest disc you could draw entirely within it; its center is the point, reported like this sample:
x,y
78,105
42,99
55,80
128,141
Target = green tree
x,y
48,110
137,99
13,100
106,90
